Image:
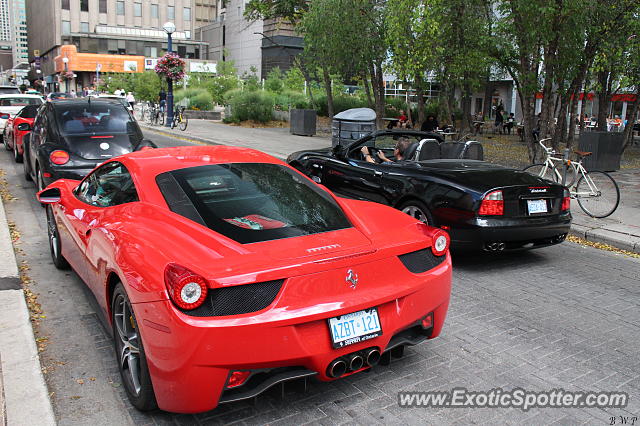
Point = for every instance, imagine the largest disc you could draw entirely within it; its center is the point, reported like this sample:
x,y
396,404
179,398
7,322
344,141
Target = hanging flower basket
x,y
66,75
171,66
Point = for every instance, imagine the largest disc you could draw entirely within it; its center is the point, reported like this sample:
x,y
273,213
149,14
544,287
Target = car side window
x,y
108,186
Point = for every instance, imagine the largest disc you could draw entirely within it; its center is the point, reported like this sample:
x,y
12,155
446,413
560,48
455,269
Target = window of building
x,y
120,8
171,12
154,11
65,4
137,9
187,34
84,5
84,27
186,14
102,6
66,27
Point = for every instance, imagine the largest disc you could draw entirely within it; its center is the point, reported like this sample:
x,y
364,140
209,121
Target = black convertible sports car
x,y
482,205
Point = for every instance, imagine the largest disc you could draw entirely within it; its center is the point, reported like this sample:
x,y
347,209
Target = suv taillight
x,y
59,157
492,204
566,201
187,289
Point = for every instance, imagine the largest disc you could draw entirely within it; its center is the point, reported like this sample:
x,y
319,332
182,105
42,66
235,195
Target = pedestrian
x,y
131,99
511,121
73,93
430,124
162,97
116,92
498,125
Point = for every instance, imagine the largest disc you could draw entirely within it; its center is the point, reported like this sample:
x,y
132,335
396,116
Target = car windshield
x,y
19,101
30,111
251,202
77,119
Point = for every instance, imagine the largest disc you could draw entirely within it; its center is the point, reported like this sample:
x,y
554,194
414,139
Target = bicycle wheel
x,y
183,123
542,170
161,119
597,194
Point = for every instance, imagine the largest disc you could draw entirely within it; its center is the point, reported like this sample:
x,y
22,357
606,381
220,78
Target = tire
x,y
417,210
16,156
605,201
183,124
160,119
25,167
54,241
4,141
40,184
542,170
130,355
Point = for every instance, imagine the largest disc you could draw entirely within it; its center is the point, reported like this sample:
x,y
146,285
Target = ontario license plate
x,y
537,206
354,327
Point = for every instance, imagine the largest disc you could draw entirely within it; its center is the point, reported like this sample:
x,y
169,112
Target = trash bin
x,y
351,125
606,148
302,122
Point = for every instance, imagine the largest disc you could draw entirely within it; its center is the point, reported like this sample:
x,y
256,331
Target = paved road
x,y
560,317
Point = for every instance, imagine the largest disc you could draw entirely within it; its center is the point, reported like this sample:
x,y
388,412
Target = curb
x,y
189,138
24,397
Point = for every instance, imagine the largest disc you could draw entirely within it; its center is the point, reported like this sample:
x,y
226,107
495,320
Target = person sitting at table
x,y
430,124
398,151
511,121
402,120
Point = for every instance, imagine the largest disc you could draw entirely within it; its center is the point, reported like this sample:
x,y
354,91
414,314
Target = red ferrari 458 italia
x,y
224,271
15,129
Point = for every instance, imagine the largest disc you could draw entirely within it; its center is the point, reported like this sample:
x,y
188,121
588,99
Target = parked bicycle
x,y
597,192
179,119
155,116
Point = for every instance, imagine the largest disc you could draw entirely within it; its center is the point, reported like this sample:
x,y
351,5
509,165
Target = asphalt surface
x,y
560,317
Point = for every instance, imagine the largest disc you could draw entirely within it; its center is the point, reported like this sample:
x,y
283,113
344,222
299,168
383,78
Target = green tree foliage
x,y
274,81
294,79
145,86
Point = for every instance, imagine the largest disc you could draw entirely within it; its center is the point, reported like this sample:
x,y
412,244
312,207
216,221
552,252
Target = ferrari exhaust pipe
x,y
337,368
372,357
356,363
494,247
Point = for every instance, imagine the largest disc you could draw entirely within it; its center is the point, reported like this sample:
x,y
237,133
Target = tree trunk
x,y
420,95
603,100
465,125
377,81
327,87
367,90
628,130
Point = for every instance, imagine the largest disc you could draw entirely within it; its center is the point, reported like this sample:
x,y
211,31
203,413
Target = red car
x,y
17,126
225,271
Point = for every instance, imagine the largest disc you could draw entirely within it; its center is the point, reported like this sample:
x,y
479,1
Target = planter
x,y
606,148
303,122
203,115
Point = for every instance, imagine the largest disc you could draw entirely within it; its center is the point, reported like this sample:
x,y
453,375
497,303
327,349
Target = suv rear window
x,y
83,118
251,202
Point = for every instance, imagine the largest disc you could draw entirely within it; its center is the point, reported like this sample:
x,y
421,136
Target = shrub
x,y
255,105
202,101
274,82
290,99
340,103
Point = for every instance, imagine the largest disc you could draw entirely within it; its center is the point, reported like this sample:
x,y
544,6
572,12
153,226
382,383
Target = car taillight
x,y
492,204
440,243
5,115
187,289
237,378
566,201
59,157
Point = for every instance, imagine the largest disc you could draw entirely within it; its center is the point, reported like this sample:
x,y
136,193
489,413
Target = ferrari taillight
x,y
492,204
5,115
59,157
440,243
566,201
186,289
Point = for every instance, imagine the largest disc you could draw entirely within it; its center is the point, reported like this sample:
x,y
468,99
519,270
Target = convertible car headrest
x,y
410,152
429,149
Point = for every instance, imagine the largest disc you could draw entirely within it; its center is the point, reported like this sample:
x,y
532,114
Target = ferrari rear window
x,y
251,202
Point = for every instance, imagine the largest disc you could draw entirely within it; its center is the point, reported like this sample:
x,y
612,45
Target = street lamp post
x,y
66,69
169,28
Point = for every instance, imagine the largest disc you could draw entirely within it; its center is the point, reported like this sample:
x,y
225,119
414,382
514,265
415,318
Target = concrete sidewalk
x,y
621,230
24,398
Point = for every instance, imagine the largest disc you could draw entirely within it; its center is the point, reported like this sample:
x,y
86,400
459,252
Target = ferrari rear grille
x,y
236,300
421,260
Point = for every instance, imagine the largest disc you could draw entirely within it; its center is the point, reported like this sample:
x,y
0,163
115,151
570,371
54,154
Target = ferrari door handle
x,y
377,173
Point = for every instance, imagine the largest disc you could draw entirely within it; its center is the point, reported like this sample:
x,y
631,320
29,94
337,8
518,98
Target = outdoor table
x,y
445,134
393,122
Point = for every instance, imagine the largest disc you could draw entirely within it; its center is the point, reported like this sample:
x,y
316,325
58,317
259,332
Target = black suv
x,y
71,136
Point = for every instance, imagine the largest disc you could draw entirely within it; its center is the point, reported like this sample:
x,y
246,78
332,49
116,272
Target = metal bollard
x,y
565,162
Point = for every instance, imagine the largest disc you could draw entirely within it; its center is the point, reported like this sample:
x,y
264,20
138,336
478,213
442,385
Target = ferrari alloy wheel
x,y
130,354
25,168
54,241
417,210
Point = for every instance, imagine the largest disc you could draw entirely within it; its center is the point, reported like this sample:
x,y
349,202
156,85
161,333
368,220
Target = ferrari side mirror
x,y
49,196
